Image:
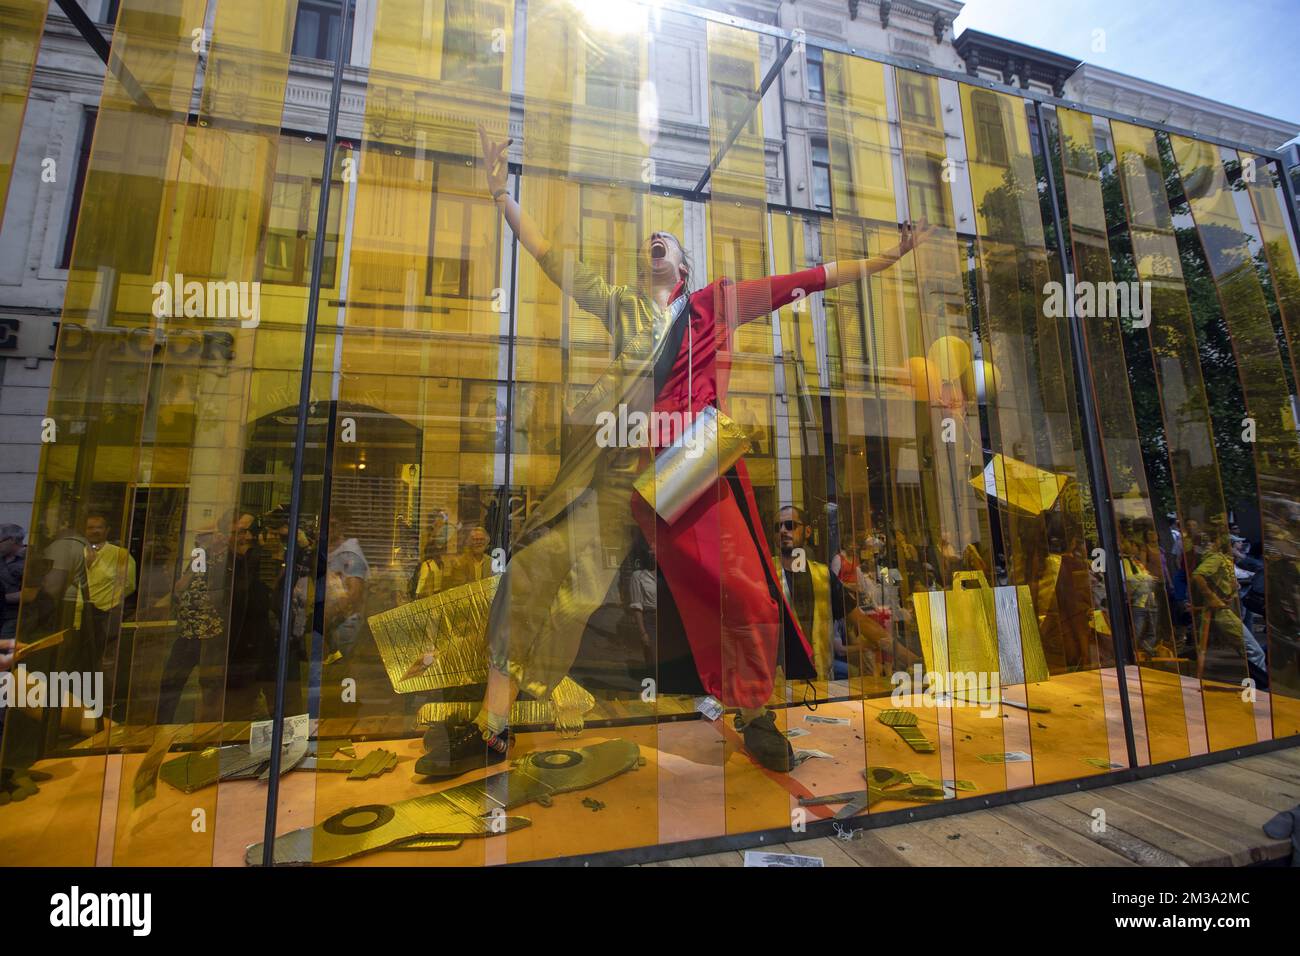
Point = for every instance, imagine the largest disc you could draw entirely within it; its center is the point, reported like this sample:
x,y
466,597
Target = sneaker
x,y
457,747
766,744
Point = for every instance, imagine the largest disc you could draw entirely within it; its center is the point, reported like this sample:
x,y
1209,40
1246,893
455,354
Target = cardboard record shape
x,y
439,644
443,819
1020,486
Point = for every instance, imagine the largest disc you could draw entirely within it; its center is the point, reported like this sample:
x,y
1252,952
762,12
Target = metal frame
x,y
300,439
755,98
1098,479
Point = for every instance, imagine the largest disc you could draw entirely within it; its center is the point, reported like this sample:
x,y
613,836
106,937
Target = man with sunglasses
x,y
816,595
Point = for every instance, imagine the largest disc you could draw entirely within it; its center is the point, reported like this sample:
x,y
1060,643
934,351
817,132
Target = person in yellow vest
x,y
816,596
110,580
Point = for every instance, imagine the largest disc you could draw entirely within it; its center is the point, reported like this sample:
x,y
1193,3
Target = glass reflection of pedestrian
x,y
13,559
431,576
643,601
201,602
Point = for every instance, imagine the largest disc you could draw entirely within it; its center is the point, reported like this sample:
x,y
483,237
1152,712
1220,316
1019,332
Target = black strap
x,y
672,346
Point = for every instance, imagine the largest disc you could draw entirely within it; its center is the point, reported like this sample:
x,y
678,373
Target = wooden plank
x,y
1113,838
1148,829
1240,842
1199,792
1015,848
830,850
1187,808
1285,770
960,835
1249,785
1289,755
919,847
1052,836
872,848
730,858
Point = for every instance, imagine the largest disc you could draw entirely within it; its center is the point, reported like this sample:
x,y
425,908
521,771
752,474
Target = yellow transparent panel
x,y
1163,734
584,326
423,316
1268,202
950,561
1223,221
1036,479
750,623
886,490
21,23
111,336
1184,419
193,506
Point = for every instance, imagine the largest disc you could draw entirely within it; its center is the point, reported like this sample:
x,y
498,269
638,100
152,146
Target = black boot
x,y
766,744
457,747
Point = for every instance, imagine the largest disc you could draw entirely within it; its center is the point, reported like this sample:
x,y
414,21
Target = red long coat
x,y
715,557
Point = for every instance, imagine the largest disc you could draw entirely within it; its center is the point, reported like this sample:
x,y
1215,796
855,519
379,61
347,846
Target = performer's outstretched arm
x,y
495,166
751,298
588,288
850,270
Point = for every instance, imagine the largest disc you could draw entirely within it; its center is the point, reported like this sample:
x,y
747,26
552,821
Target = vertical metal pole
x,y
505,541
1116,599
300,433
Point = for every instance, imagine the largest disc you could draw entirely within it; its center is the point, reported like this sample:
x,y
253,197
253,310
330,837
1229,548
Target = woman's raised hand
x,y
913,234
495,162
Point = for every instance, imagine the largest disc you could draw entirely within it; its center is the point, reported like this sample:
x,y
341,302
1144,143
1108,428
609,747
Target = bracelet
x,y
498,193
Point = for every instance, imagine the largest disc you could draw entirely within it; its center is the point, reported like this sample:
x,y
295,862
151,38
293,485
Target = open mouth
x,y
658,249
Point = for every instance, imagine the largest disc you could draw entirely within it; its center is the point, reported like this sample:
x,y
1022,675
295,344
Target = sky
x,y
1240,52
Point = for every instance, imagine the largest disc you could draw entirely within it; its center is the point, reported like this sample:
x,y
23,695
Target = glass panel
x,y
886,489
752,623
1224,220
110,333
1194,446
949,554
587,330
421,337
212,538
1280,260
21,25
1167,692
1053,621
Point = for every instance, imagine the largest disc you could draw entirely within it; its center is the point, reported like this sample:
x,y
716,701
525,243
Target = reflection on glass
x,y
1281,267
21,24
1224,223
1049,609
528,574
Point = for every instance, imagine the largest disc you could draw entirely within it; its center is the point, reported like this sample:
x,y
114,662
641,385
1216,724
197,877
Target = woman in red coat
x,y
714,556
